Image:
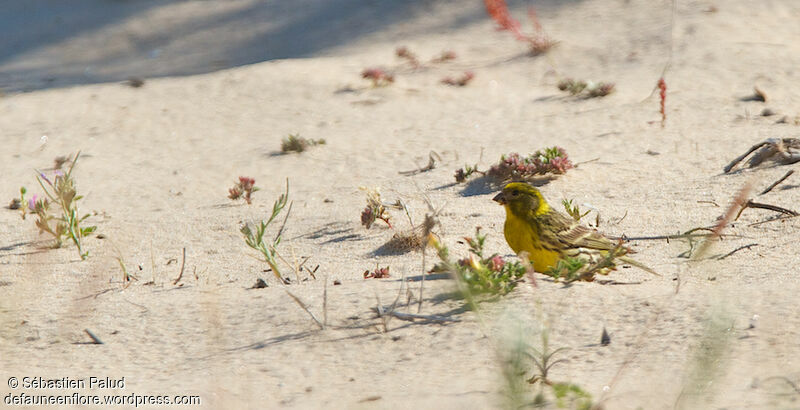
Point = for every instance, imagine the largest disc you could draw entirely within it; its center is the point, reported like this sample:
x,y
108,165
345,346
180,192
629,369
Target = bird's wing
x,y
574,235
571,234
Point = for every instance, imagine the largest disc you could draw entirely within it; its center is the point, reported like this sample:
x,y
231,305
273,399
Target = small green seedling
x,y
254,235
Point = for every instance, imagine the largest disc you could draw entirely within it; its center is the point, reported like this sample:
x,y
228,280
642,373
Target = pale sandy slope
x,y
159,159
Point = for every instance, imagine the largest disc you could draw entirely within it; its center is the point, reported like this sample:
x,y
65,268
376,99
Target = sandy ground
x,y
157,162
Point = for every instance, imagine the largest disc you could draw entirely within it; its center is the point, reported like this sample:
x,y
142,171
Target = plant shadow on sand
x,y
399,244
335,232
445,297
387,249
14,246
486,185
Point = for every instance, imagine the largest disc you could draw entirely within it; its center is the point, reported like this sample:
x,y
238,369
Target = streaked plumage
x,y
532,225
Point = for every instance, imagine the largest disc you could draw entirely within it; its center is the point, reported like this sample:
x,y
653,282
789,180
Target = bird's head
x,y
522,198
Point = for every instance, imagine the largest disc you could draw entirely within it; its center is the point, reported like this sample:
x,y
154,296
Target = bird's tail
x,y
633,262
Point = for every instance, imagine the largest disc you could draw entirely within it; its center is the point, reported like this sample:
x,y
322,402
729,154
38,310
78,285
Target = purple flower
x,y
32,202
44,177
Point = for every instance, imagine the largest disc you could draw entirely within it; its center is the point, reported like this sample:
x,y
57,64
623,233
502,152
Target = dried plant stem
x,y
668,237
751,204
776,183
325,303
739,159
432,157
95,340
381,313
785,379
183,265
296,274
126,277
737,250
304,307
738,202
288,211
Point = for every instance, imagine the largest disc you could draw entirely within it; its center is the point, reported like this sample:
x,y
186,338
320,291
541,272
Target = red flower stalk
x,y
662,86
445,56
461,81
539,41
378,76
405,53
498,11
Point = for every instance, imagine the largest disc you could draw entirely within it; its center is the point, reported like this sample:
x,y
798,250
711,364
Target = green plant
x,y
516,358
571,396
17,203
586,89
573,210
480,274
462,174
543,359
513,355
570,269
254,236
567,269
710,357
60,191
552,160
296,143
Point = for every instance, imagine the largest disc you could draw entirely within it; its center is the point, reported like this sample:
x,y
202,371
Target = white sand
x,y
158,161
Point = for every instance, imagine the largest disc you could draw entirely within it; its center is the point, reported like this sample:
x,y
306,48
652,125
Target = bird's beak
x,y
500,199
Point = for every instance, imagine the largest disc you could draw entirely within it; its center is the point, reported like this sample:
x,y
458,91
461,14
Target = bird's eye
x,y
514,193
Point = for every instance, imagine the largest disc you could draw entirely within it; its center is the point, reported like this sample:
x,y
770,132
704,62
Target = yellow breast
x,y
521,236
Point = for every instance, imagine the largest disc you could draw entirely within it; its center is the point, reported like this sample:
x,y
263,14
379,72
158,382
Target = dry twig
x,y
738,202
751,204
432,157
95,340
737,250
304,307
183,265
783,151
776,183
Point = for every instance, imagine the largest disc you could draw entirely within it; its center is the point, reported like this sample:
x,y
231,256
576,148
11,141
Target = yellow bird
x,y
548,236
